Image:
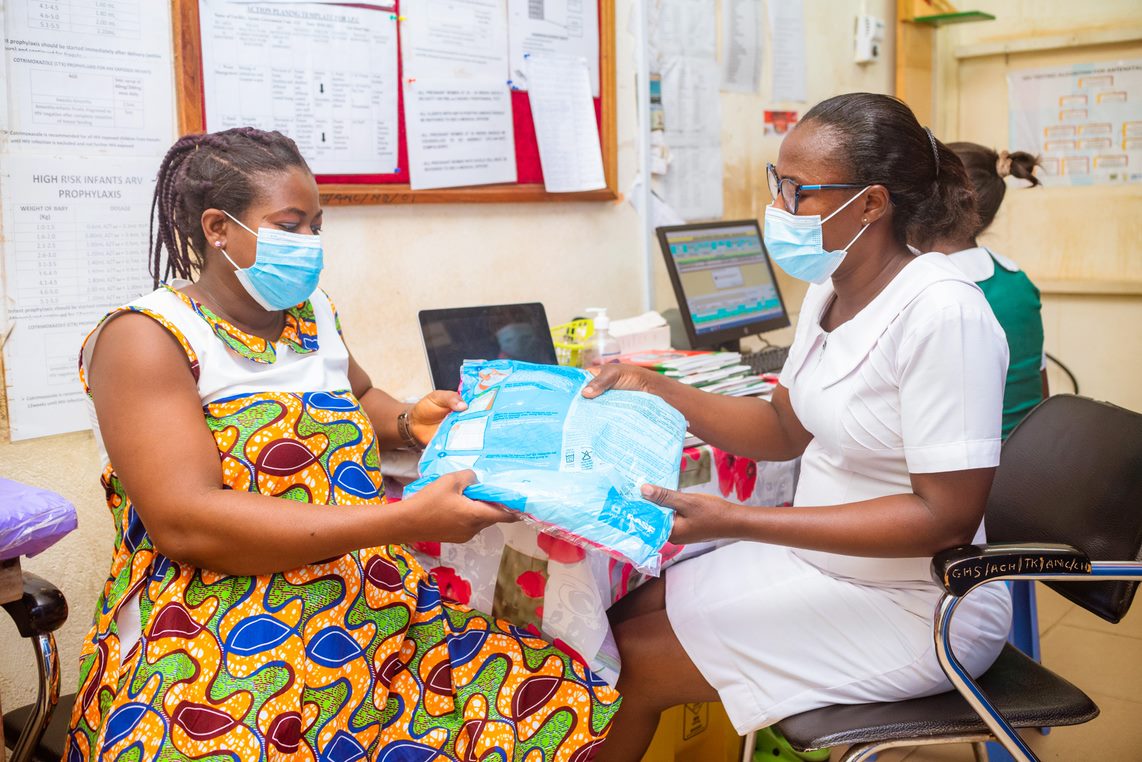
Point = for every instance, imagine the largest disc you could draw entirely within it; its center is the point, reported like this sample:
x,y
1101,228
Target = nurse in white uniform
x,y
892,397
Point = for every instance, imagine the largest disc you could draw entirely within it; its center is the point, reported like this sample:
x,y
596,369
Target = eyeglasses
x,y
790,191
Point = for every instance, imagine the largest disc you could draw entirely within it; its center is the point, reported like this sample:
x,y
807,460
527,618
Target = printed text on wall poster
x,y
1084,121
75,247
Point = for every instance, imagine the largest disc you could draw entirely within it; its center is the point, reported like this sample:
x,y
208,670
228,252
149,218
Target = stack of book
x,y
715,372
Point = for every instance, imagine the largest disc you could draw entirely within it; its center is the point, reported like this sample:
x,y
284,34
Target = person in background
x,y
1011,294
831,601
261,598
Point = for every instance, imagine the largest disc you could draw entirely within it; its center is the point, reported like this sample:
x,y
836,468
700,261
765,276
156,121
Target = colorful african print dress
x,y
351,658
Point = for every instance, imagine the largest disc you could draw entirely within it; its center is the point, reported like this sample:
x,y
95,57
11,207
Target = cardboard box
x,y
695,733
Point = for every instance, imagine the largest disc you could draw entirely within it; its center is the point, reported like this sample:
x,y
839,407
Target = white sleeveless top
x,y
223,372
315,361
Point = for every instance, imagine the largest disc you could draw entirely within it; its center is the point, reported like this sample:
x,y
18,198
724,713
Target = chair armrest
x,y
961,568
40,610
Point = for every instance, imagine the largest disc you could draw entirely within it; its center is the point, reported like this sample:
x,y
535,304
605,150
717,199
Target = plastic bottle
x,y
604,348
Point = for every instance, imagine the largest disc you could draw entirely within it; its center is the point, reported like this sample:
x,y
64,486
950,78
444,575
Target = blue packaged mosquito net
x,y
571,465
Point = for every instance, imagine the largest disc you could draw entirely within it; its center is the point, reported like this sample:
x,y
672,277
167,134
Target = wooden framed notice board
x,y
394,188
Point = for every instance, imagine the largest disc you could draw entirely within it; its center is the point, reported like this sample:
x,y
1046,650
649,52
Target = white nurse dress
x,y
911,384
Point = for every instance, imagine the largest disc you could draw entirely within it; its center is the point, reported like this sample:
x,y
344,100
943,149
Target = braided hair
x,y
217,170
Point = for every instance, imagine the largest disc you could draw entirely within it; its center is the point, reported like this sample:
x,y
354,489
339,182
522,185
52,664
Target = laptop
x,y
488,332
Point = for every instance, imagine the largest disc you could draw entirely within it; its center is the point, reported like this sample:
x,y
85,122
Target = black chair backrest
x,y
1071,472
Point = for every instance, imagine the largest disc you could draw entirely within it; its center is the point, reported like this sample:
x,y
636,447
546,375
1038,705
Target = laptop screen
x,y
499,331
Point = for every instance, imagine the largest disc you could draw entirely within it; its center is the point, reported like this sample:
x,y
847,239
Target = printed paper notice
x,y
454,39
93,76
565,125
459,133
326,76
741,45
690,100
693,183
693,186
75,246
568,28
681,28
787,30
683,39
384,6
1084,121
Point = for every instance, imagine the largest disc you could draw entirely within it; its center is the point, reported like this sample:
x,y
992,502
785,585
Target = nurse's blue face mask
x,y
796,243
286,269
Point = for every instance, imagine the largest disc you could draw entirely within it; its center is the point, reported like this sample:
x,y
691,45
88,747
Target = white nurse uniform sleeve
x,y
952,362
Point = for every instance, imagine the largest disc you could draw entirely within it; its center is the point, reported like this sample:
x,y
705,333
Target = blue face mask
x,y
796,243
286,267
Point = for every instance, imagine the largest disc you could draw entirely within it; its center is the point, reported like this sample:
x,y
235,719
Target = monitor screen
x,y
498,331
723,280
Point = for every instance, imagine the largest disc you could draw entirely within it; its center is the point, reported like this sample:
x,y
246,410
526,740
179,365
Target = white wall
x,y
385,263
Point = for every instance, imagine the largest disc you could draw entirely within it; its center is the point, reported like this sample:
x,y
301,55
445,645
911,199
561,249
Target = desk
x,y
561,591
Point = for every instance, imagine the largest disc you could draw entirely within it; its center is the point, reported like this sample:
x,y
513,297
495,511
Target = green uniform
x,y
1015,301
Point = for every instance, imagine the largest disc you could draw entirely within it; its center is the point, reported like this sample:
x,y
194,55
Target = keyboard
x,y
768,360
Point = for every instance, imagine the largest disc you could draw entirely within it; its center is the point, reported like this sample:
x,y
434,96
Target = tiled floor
x,y
1103,659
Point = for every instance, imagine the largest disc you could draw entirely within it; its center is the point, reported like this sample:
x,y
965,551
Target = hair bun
x,y
1003,164
1022,165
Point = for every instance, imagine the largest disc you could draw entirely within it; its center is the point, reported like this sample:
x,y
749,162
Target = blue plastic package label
x,y
572,465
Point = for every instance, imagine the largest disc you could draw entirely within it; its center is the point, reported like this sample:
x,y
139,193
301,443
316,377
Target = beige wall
x,y
746,149
1081,245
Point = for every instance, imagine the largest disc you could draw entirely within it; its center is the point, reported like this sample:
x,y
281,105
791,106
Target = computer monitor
x,y
488,332
723,280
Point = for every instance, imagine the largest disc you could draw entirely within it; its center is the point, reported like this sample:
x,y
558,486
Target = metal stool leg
x,y
47,695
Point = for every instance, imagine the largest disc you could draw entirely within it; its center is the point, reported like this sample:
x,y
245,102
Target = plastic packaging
x,y
571,465
31,519
603,348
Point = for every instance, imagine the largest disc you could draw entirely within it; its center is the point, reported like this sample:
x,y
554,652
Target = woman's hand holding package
x,y
616,376
746,426
425,416
441,513
696,517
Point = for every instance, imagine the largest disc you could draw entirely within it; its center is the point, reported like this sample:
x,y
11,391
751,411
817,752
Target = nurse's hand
x,y
426,415
696,517
617,376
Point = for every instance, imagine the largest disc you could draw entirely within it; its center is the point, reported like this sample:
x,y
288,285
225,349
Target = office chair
x,y
39,612
1068,490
